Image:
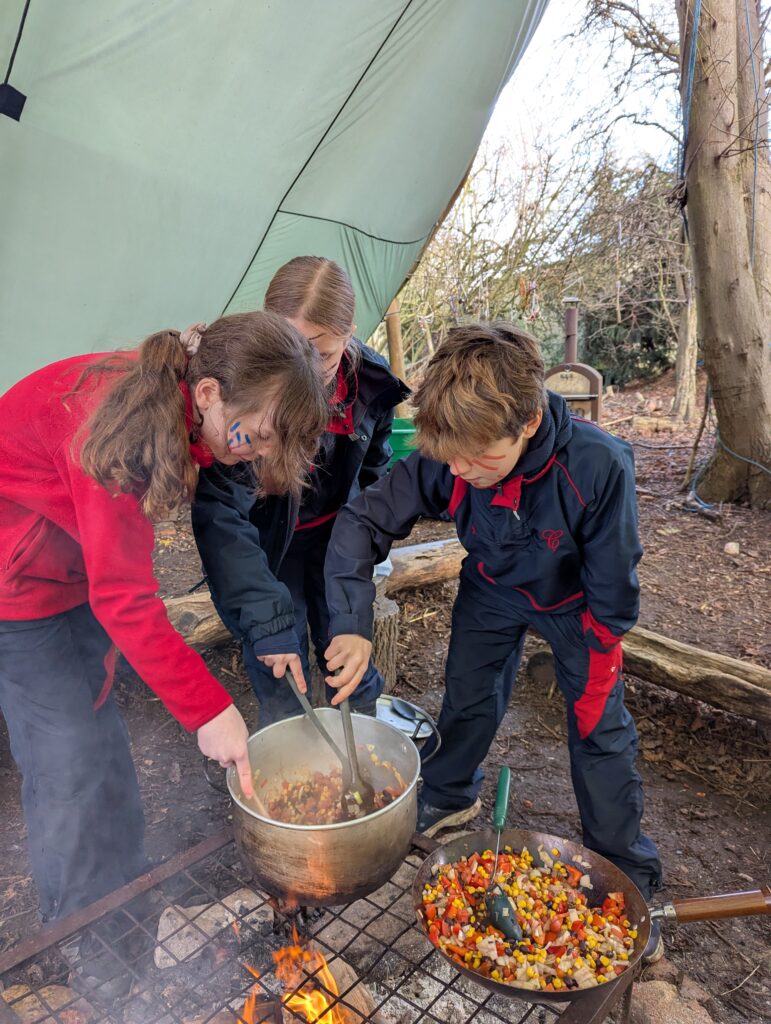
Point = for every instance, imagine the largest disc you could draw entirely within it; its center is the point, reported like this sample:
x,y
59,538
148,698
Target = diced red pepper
x,y
574,875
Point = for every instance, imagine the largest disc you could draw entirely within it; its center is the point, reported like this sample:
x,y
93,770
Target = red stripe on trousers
x,y
604,673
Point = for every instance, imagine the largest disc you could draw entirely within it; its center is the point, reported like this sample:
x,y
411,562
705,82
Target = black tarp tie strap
x,y
11,100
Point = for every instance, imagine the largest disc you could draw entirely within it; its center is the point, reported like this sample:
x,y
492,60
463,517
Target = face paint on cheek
x,y
237,439
234,436
484,462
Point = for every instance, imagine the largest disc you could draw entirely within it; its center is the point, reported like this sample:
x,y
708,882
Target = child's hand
x,y
224,739
281,662
350,654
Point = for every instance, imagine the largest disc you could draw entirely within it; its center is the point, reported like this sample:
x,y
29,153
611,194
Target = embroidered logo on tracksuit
x,y
552,538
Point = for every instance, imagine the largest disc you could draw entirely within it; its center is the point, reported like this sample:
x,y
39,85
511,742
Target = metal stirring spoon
x,y
358,796
310,712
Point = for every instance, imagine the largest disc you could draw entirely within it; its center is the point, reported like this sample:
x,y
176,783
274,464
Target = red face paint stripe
x,y
604,673
485,461
548,607
570,481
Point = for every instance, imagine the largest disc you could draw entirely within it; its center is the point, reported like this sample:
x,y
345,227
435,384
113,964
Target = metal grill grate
x,y
193,967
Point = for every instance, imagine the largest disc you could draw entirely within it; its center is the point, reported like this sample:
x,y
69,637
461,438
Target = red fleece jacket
x,y
65,540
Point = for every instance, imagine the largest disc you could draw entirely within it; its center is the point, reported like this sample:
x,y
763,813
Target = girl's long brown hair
x,y
316,289
320,291
137,439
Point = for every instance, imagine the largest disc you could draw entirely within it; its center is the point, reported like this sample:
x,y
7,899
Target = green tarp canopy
x,y
172,154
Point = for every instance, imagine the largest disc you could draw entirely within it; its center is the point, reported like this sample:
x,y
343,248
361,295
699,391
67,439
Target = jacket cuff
x,y
341,625
194,724
255,634
283,642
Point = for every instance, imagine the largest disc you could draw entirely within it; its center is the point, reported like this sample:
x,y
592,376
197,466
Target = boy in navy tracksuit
x,y
544,503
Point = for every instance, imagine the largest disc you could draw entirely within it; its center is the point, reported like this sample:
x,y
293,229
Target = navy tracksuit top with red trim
x,y
558,535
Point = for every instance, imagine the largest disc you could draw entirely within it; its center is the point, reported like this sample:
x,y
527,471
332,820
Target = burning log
x,y
314,984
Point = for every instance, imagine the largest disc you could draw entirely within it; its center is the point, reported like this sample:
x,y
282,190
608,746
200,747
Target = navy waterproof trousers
x,y
85,826
488,634
302,572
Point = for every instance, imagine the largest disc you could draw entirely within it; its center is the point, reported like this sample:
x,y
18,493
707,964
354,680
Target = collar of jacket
x,y
377,384
553,433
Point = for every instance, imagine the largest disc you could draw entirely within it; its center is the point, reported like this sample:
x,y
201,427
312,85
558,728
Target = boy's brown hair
x,y
486,382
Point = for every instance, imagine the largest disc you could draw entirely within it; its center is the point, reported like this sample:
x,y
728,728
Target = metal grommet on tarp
x,y
11,101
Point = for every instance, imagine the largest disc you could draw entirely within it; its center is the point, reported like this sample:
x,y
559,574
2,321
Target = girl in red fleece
x,y
92,450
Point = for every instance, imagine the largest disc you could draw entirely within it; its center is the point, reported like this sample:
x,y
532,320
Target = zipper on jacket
x,y
499,493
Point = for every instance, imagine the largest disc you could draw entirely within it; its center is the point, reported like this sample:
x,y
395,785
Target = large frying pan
x,y
605,878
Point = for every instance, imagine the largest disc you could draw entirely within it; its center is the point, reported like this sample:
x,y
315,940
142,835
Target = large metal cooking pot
x,y
322,865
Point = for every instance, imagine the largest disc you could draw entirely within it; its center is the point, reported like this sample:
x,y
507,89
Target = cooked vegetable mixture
x,y
315,800
566,943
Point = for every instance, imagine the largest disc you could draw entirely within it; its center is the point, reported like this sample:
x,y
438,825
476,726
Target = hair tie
x,y
190,338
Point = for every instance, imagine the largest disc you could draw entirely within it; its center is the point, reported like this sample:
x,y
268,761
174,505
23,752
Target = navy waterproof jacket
x,y
242,542
558,535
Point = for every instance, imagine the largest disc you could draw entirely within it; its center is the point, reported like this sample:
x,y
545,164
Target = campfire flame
x,y
310,997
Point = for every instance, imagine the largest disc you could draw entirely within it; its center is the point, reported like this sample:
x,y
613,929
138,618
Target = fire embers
x,y
314,989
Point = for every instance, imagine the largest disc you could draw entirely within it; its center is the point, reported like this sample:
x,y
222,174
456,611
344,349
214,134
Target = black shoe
x,y
433,819
654,950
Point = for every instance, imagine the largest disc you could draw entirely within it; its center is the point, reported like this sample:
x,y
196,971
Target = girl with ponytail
x,y
92,450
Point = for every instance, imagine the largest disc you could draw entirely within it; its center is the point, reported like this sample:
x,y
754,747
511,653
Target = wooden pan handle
x,y
734,904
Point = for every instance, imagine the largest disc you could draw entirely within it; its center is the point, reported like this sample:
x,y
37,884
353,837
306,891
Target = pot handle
x,y
424,717
712,908
213,782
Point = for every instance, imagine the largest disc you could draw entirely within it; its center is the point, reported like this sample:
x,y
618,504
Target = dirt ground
x,y
706,774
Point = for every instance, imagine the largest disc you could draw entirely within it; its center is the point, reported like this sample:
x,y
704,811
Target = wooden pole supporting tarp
x,y
393,323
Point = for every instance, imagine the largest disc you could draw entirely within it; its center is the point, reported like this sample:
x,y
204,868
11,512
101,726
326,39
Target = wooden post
x,y
393,323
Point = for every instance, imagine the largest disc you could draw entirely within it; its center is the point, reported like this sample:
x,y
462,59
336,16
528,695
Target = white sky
x,y
557,80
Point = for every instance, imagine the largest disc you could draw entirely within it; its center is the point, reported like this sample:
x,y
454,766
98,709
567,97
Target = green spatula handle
x,y
502,798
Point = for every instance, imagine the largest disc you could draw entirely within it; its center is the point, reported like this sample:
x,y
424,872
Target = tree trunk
x,y
684,403
730,238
